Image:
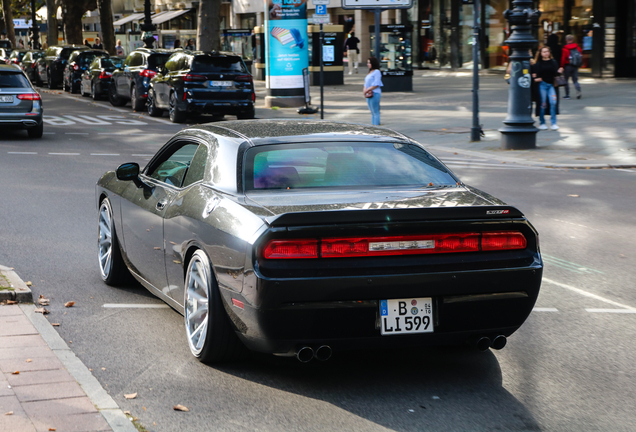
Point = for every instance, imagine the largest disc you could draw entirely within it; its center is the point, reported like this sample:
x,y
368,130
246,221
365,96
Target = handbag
x,y
559,81
368,94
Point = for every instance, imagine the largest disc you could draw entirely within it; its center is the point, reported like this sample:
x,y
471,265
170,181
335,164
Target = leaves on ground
x,y
12,302
55,324
130,396
69,304
43,301
9,413
29,360
29,283
15,373
574,196
42,310
127,412
180,408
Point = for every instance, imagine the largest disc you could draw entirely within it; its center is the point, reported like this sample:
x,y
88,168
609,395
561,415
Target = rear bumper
x,y
219,107
20,122
344,312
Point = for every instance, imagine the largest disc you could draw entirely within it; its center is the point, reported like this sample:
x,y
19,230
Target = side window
x,y
196,172
173,62
137,59
94,64
73,57
128,59
172,166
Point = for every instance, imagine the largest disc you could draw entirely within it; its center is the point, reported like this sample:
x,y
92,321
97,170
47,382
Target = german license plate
x,y
405,316
6,99
221,83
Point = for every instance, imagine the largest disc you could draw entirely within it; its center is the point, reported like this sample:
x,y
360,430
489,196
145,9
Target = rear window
x,y
66,52
112,63
13,80
156,61
87,59
218,64
343,165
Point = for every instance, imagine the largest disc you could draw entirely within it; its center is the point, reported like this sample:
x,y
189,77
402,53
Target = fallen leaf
x,y
41,310
55,324
503,161
69,304
144,408
9,413
455,153
573,196
29,360
12,302
430,184
130,396
29,283
127,412
43,301
103,369
157,248
90,370
15,373
52,429
180,408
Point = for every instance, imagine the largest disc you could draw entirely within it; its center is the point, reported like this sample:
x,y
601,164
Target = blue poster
x,y
287,53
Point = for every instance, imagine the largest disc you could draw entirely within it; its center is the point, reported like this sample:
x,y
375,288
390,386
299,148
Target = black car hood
x,y
308,207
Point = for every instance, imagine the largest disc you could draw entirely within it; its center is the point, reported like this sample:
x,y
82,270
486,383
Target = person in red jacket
x,y
571,60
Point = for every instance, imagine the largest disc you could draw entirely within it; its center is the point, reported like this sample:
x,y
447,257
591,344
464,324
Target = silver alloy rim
x,y
93,89
150,103
197,304
173,105
105,243
133,98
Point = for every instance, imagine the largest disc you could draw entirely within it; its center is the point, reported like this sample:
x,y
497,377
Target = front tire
x,y
248,115
111,264
113,97
210,334
49,81
176,116
94,94
153,111
136,103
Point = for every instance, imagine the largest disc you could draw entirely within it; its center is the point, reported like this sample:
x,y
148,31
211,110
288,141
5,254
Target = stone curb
x,y
20,293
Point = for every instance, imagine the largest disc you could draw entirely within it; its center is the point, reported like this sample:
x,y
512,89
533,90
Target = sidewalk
x,y
597,131
43,385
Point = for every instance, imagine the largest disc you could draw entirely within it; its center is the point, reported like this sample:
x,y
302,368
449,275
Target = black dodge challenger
x,y
303,237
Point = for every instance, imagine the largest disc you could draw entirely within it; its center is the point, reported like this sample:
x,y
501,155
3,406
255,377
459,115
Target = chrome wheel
x,y
197,296
105,241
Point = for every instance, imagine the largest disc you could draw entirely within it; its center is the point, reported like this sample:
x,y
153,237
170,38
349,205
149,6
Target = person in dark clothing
x,y
98,44
555,46
87,43
571,69
544,70
351,46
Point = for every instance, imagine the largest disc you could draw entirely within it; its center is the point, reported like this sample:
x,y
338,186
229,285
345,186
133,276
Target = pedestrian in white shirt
x,y
372,91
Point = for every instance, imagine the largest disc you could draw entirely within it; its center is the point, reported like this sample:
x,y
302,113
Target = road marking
x,y
64,154
538,309
22,152
620,311
588,294
142,155
105,154
48,133
135,306
67,120
567,265
76,133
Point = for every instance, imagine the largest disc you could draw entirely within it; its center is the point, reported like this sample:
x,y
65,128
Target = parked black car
x,y
202,83
97,77
51,65
17,56
20,103
130,82
29,65
77,63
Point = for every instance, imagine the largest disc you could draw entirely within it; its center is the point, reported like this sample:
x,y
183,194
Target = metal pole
x,y
322,78
148,27
475,131
34,27
378,11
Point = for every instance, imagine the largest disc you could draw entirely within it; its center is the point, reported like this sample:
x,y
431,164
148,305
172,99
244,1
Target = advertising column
x,y
286,52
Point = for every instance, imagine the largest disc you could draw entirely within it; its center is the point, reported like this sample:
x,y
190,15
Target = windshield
x,y
343,165
13,80
156,61
112,63
218,64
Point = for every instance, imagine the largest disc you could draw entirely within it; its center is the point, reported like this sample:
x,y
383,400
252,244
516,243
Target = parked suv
x,y
77,63
51,65
20,104
202,83
131,81
30,67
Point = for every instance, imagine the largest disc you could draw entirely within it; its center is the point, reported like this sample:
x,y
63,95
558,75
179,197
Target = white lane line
x,y
75,133
135,306
22,152
620,311
64,154
48,133
105,154
589,294
538,309
142,155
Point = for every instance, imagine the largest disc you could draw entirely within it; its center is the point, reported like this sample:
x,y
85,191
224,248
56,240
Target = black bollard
x,y
519,131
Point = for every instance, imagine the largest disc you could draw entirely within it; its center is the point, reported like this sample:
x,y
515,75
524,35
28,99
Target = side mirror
x,y
128,171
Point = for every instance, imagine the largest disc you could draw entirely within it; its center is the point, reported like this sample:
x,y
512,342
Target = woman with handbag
x,y
372,91
544,71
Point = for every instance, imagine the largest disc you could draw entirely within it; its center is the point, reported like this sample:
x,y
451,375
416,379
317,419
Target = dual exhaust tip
x,y
306,353
483,343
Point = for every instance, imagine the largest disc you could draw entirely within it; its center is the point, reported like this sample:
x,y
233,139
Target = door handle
x,y
161,205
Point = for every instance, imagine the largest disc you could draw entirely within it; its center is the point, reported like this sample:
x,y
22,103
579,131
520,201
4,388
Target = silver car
x,y
20,103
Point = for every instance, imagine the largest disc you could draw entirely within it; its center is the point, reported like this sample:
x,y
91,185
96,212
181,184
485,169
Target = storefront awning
x,y
129,18
167,16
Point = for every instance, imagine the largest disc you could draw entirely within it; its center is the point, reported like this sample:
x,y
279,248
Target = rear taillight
x,y
105,74
398,245
193,77
243,78
75,67
29,96
291,249
34,65
147,73
253,97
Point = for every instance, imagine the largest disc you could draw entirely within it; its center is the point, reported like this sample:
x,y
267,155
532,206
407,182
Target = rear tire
x,y
111,264
248,115
153,111
74,89
94,94
210,334
176,116
82,92
114,99
37,131
49,81
136,103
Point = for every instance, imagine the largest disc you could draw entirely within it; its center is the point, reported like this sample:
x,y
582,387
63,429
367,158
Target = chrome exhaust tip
x,y
499,342
305,354
323,353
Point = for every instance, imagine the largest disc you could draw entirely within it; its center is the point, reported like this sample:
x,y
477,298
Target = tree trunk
x,y
106,22
8,21
209,23
51,19
73,12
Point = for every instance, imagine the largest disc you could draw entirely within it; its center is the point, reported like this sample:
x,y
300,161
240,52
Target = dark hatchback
x,y
20,103
29,65
130,82
17,56
97,77
299,237
195,82
52,64
77,63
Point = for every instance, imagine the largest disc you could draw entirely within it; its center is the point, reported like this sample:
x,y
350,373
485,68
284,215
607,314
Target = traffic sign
x,y
321,9
320,2
377,4
321,19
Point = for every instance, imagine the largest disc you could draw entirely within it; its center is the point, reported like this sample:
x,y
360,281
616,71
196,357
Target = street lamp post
x,y
519,131
34,28
148,27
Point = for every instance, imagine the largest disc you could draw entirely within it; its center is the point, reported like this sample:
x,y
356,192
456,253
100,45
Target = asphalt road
x,y
569,368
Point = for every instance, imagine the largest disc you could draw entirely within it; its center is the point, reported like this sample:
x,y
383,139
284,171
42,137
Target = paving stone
x,y
39,377
69,414
18,421
31,352
41,392
16,325
73,423
21,341
10,310
36,364
5,388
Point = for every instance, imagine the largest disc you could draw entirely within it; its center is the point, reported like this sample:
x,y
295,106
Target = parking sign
x,y
321,9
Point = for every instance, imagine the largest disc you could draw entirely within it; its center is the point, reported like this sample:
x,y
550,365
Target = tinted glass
x,y
85,60
137,59
197,166
172,64
156,61
343,165
13,80
110,63
172,169
66,52
218,64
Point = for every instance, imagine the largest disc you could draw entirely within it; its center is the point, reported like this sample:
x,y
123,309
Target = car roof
x,y
281,131
154,50
10,68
